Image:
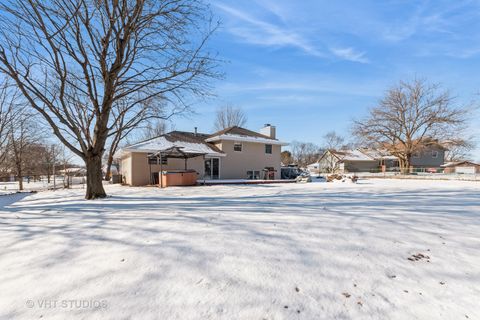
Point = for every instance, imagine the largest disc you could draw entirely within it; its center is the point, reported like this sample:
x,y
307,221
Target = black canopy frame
x,y
174,152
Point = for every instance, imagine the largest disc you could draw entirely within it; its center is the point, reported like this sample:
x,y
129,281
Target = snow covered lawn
x,y
279,251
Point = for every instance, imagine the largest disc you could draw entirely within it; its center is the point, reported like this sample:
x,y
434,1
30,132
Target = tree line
x,y
25,150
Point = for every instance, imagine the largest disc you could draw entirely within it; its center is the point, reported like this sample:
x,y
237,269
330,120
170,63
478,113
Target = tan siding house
x,y
233,153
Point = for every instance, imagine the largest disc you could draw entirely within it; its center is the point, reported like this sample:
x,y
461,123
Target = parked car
x,y
290,172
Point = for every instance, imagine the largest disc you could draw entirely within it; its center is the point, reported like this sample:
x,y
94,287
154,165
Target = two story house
x,y
232,153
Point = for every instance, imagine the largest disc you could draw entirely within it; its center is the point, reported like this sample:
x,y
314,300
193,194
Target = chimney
x,y
269,130
195,131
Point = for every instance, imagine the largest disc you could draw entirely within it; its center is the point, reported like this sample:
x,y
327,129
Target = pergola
x,y
174,152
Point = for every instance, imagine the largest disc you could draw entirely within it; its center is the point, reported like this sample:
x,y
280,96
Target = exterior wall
x,y
361,166
426,160
453,169
126,169
252,157
327,163
136,170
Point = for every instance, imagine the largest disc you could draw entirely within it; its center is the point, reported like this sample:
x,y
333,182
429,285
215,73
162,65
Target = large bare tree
x,y
305,153
8,100
409,116
75,60
229,116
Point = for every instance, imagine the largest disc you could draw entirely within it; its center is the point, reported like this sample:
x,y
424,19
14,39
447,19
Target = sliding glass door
x,y
212,168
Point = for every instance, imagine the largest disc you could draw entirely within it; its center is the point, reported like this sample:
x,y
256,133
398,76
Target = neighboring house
x,y
74,171
461,167
345,161
368,160
432,155
385,159
357,160
233,153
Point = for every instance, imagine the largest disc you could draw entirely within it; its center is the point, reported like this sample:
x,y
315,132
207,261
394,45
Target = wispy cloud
x,y
350,54
260,32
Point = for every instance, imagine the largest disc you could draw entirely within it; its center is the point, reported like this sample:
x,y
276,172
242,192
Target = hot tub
x,y
178,178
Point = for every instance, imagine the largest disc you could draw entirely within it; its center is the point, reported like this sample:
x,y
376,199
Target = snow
x,y
272,251
161,143
353,155
244,138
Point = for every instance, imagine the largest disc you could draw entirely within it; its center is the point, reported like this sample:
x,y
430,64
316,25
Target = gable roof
x,y
460,163
351,155
378,154
189,143
358,155
241,134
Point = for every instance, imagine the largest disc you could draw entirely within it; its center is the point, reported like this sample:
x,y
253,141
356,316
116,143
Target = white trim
x,y
211,162
253,174
265,149
124,150
230,137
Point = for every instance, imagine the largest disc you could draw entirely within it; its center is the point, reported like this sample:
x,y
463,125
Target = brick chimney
x,y
269,131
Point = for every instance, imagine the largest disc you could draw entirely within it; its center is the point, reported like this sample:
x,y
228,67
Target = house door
x,y
212,168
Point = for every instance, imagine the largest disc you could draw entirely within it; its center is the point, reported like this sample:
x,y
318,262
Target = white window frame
x,y
271,148
434,154
238,143
253,174
211,163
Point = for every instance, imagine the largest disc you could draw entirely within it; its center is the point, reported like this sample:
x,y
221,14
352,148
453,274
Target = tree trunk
x,y
408,163
405,165
94,177
20,179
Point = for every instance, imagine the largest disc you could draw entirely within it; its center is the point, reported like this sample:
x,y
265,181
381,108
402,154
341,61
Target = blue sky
x,y
311,66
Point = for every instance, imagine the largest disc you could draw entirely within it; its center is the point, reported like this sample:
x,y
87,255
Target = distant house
x,y
233,153
432,155
461,167
345,161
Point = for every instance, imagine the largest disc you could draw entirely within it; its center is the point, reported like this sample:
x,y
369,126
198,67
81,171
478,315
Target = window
x,y
268,148
416,155
237,146
253,175
434,154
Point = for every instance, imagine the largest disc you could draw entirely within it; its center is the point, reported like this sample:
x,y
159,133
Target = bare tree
x,y
333,141
459,149
229,116
410,115
74,60
286,157
154,129
126,121
305,153
8,97
22,139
